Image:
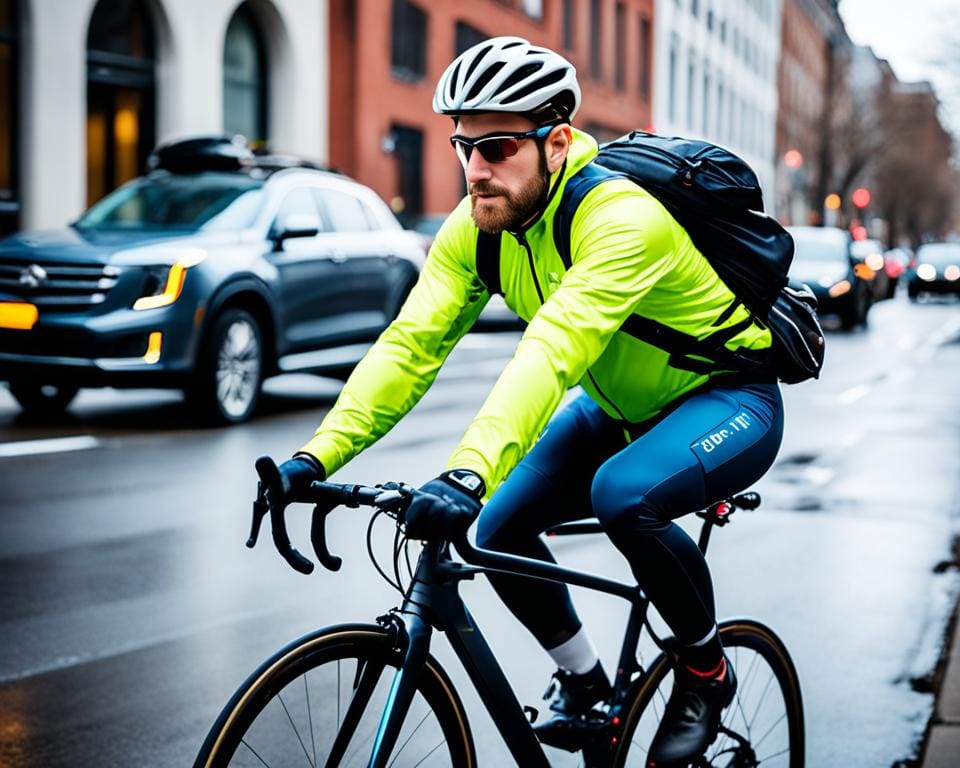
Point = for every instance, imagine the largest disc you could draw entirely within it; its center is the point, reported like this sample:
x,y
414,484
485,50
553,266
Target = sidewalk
x,y
943,737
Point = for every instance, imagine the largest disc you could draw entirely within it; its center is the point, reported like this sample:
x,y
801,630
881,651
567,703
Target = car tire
x,y
913,293
229,373
43,399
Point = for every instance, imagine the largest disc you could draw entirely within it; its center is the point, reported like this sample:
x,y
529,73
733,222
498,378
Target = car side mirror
x,y
297,225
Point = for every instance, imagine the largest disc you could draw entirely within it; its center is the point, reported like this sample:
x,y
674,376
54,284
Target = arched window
x,y
245,79
121,87
9,116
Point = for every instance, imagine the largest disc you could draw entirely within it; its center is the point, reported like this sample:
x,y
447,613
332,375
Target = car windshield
x,y
939,254
818,248
179,202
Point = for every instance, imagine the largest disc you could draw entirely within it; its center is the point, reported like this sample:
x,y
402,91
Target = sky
x,y
915,37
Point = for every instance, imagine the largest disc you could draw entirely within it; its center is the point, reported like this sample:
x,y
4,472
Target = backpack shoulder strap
x,y
488,261
574,192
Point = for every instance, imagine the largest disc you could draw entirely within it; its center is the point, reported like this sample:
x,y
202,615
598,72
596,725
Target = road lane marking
x,y
853,394
52,445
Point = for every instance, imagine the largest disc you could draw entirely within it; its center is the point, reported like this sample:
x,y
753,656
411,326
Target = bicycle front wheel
x,y
318,702
763,726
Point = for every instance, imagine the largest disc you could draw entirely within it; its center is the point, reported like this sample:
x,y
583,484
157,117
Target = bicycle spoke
x,y
244,742
313,738
365,680
420,762
407,741
769,730
295,730
762,760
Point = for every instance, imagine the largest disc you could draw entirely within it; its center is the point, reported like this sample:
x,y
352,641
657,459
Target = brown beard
x,y
519,207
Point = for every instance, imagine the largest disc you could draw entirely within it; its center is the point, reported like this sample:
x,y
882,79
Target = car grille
x,y
56,286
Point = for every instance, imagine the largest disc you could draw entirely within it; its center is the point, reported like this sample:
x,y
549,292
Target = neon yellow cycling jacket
x,y
628,256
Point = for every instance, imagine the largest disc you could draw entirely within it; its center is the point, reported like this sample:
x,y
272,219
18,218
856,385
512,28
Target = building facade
x,y
805,77
716,65
89,87
383,131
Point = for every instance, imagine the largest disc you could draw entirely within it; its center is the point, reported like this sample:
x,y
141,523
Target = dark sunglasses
x,y
495,147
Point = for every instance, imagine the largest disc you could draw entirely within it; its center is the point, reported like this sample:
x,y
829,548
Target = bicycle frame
x,y
433,600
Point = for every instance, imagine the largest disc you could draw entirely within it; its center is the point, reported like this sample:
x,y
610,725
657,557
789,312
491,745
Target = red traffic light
x,y
861,197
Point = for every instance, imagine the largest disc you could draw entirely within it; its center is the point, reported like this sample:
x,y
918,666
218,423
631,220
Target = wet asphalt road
x,y
130,609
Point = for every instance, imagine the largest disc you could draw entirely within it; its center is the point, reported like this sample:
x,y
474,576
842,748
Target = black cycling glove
x,y
293,477
447,504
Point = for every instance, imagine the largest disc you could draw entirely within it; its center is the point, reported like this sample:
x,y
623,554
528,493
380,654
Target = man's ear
x,y
557,145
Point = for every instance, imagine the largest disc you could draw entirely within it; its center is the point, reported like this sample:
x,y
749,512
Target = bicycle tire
x,y
338,659
750,646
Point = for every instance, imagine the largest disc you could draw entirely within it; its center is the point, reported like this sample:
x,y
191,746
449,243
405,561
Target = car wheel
x,y
913,293
229,371
43,399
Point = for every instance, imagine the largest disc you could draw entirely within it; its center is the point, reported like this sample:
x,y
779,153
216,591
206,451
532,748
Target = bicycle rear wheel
x,y
763,726
318,702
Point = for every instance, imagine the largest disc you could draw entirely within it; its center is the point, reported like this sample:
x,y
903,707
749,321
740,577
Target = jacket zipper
x,y
522,239
604,396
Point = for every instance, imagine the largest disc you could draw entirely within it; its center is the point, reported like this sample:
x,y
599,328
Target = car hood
x,y
108,247
813,271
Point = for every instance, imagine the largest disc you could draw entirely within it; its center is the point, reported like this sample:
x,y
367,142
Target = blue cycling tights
x,y
713,444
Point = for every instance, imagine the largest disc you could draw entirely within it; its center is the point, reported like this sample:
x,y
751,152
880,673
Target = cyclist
x,y
644,443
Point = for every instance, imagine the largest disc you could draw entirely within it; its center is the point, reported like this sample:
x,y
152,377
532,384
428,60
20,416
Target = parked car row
x,y
215,270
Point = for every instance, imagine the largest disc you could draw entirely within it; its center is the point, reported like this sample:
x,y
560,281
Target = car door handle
x,y
338,257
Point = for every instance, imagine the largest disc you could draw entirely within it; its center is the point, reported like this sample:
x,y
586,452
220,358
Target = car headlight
x,y
952,272
874,261
167,283
927,272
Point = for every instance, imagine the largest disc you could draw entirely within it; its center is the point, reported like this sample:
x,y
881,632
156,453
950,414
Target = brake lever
x,y
260,510
269,474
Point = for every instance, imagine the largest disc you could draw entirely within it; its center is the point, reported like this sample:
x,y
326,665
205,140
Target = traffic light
x,y
861,197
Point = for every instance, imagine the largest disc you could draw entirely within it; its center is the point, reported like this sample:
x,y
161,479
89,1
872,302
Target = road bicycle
x,y
373,694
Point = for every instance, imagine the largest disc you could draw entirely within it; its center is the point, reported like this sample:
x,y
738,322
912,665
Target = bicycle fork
x,y
414,638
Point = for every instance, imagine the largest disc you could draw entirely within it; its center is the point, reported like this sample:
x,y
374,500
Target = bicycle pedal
x,y
571,733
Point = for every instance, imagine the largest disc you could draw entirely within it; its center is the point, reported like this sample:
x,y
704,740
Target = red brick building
x,y
804,80
387,55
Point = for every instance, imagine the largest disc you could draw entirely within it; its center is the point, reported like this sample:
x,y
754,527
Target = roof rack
x,y
219,152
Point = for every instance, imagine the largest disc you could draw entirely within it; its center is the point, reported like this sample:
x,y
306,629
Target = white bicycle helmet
x,y
508,74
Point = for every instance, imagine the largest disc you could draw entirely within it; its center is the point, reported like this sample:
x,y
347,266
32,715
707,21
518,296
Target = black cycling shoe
x,y
691,718
578,694
574,699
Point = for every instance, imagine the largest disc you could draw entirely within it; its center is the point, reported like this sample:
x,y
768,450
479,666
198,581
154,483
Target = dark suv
x,y
213,271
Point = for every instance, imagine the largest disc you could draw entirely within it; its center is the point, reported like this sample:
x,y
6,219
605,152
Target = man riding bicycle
x,y
643,444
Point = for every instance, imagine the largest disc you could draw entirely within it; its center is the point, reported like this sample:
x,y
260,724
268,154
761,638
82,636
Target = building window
x,y
467,37
645,57
408,151
706,98
720,113
695,8
691,84
9,116
408,57
533,8
620,77
245,79
596,26
121,97
710,20
569,19
723,31
672,81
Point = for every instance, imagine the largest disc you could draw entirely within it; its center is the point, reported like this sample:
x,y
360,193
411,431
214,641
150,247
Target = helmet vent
x,y
521,74
511,45
539,84
452,84
483,79
476,60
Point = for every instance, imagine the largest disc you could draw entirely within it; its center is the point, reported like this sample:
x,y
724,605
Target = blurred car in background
x,y
496,316
895,262
937,270
869,255
823,259
215,270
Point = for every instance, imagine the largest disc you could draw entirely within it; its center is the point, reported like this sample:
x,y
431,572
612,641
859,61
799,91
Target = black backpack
x,y
715,196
